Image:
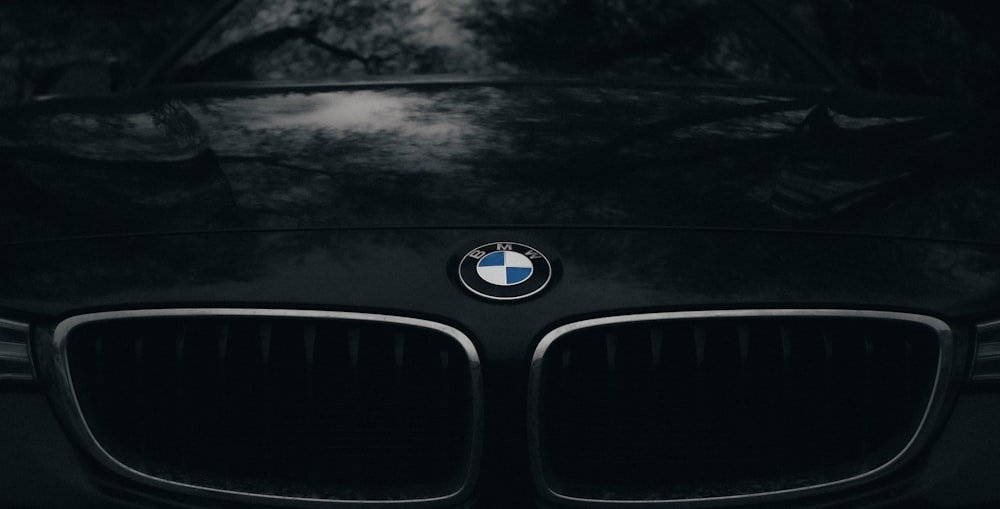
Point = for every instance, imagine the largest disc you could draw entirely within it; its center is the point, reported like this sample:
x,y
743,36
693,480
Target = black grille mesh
x,y
716,407
312,408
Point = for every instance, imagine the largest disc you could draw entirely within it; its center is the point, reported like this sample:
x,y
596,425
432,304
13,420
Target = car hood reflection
x,y
492,154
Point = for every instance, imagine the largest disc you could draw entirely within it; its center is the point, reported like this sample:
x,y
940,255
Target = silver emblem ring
x,y
504,271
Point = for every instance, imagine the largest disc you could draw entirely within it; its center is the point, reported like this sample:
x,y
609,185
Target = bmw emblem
x,y
504,271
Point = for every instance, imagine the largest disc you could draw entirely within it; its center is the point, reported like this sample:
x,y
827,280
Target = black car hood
x,y
496,153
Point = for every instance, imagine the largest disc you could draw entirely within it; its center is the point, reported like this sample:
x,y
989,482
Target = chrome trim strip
x,y
16,351
987,350
920,436
81,429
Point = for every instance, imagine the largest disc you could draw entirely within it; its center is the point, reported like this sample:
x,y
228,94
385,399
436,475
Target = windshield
x,y
318,39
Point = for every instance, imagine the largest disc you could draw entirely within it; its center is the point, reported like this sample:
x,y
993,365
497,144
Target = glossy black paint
x,y
603,271
362,197
459,152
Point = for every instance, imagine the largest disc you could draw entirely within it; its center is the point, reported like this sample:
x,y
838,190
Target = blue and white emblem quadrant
x,y
504,268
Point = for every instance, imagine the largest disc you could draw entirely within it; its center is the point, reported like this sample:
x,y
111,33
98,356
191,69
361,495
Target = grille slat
x,y
866,405
328,409
354,348
309,345
829,393
223,417
179,399
140,402
720,406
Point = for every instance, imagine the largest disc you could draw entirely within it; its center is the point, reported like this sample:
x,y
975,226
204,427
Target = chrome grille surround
x,y
941,383
66,399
